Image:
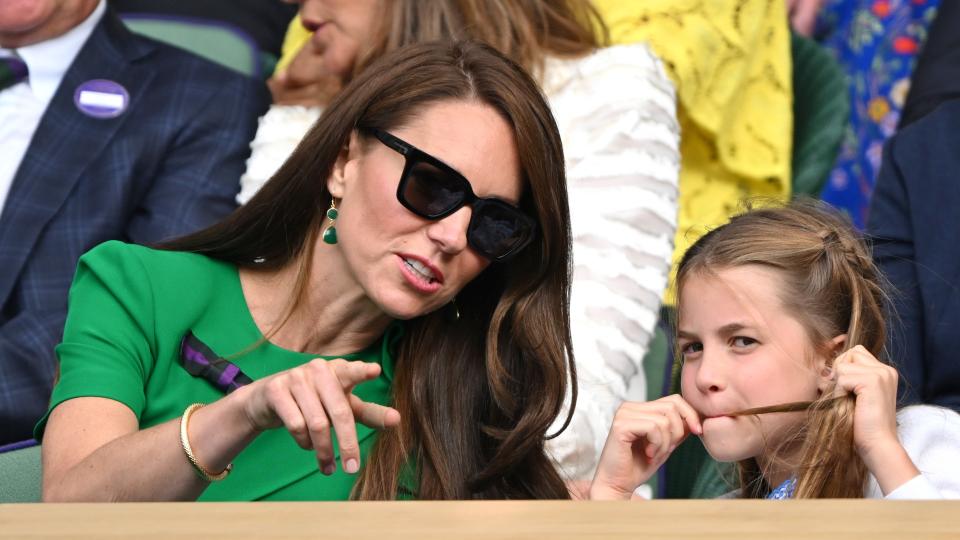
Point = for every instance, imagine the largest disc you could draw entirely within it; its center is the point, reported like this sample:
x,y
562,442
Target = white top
x,y
22,105
615,110
931,437
278,134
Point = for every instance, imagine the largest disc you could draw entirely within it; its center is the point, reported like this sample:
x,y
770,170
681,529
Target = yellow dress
x,y
730,62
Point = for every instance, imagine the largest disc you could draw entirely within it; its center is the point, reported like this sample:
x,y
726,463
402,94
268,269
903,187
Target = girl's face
x,y
742,349
341,29
405,264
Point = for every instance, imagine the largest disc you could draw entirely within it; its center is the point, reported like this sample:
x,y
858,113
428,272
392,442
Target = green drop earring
x,y
330,233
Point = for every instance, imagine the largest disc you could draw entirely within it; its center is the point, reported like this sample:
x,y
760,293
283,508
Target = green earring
x,y
330,233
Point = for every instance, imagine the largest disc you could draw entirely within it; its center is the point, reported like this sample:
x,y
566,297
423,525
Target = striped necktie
x,y
12,71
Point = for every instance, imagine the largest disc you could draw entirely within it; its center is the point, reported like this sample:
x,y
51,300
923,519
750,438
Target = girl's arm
x,y
931,436
875,417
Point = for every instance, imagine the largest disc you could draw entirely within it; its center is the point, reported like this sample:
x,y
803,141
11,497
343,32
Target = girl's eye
x,y
691,348
743,341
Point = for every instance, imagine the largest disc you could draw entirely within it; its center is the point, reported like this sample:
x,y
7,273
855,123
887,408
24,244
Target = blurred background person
x,y
876,43
104,135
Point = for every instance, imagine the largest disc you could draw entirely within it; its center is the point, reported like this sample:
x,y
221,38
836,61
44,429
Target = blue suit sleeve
x,y
892,232
197,182
27,371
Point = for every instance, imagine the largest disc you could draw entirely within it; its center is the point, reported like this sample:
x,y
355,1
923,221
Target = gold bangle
x,y
185,443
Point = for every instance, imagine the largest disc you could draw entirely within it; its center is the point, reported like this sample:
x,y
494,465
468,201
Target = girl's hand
x,y
314,398
641,439
875,416
875,386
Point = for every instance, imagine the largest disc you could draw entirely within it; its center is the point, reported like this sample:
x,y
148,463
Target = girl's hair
x,y
476,395
831,285
524,30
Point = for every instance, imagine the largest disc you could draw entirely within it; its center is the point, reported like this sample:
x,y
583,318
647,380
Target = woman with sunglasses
x,y
615,110
386,319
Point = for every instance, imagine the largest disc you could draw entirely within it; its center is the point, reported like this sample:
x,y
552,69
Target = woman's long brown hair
x,y
832,287
525,30
476,395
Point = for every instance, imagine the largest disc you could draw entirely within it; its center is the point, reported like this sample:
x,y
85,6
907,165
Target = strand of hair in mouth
x,y
796,406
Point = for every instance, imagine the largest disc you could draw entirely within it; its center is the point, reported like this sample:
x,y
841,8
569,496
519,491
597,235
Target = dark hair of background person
x,y
476,395
832,286
524,30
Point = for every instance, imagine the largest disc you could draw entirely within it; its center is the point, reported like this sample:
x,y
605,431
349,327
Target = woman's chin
x,y
404,311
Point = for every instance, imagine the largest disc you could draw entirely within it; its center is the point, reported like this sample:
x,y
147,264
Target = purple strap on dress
x,y
200,361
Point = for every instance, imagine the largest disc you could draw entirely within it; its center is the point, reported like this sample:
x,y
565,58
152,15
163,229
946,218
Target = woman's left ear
x,y
336,184
825,362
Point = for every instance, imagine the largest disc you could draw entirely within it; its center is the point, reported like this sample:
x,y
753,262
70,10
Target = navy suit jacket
x,y
915,222
170,164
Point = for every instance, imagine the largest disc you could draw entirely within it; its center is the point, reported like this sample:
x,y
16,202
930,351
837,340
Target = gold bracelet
x,y
185,443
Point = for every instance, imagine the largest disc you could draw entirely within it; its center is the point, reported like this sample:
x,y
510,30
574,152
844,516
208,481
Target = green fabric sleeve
x,y
109,340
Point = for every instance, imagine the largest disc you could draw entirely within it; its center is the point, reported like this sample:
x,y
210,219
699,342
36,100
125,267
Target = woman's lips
x,y
311,25
428,282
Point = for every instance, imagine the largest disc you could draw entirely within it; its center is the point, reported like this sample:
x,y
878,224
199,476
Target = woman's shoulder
x,y
618,93
115,257
626,63
634,56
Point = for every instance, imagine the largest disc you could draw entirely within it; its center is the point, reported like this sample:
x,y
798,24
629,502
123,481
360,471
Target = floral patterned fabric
x,y
876,42
784,490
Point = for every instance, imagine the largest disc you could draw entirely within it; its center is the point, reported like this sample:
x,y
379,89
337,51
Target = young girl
x,y
781,331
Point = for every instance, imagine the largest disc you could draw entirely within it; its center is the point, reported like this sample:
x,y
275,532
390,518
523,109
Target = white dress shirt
x,y
23,104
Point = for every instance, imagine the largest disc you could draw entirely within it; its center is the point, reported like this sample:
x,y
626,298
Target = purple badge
x,y
101,98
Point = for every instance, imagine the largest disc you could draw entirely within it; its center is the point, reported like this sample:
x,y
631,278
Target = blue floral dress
x,y
876,43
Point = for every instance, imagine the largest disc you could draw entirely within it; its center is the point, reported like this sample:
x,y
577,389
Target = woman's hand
x,y
641,439
875,416
314,398
305,81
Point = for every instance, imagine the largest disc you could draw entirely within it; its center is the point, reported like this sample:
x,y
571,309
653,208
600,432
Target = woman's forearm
x,y
149,464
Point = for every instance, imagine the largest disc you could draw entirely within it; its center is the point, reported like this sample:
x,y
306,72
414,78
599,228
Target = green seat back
x,y
218,42
656,363
20,475
821,109
656,370
690,473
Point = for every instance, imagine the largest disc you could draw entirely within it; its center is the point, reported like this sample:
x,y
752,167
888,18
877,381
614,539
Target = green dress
x,y
131,306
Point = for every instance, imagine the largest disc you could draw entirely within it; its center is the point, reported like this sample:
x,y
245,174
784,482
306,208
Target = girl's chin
x,y
723,442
